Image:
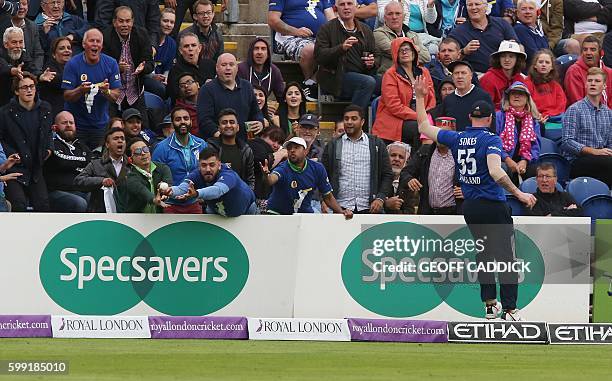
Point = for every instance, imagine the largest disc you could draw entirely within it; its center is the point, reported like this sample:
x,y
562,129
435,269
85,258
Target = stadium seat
x,y
516,207
531,186
373,108
598,207
562,166
582,188
153,101
548,146
553,131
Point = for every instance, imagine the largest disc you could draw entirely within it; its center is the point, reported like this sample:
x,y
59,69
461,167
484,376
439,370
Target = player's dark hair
x,y
209,152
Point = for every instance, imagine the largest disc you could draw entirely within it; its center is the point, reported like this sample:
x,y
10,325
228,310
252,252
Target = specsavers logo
x,y
401,269
105,268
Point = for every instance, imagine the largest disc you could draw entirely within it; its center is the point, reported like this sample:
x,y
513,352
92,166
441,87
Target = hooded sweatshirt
x,y
270,78
495,82
397,93
549,97
575,78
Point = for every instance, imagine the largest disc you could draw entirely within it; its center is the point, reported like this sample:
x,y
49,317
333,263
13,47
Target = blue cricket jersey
x,y
470,149
293,191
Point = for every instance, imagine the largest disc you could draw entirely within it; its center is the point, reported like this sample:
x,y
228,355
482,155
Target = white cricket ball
x,y
163,186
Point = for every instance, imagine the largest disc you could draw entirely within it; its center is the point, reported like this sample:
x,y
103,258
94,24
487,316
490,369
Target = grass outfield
x,y
102,359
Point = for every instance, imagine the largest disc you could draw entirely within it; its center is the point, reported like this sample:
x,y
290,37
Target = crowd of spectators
x,y
77,133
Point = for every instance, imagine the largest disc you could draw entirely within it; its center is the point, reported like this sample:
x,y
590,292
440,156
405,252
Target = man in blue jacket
x,y
219,186
180,151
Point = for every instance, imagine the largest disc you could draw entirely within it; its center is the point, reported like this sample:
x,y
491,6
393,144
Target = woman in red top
x,y
546,92
506,66
396,113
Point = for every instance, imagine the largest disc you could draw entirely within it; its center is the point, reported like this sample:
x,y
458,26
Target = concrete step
x,y
253,13
259,29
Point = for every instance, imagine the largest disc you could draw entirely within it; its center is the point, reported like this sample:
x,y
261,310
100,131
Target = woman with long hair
x,y
396,112
262,101
51,91
291,107
518,127
544,87
506,66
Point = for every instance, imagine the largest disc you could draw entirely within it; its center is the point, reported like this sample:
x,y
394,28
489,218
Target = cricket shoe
x,y
512,315
493,311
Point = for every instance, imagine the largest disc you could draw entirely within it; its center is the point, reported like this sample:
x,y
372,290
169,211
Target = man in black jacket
x,y
344,51
203,13
13,62
551,202
234,151
188,60
31,41
358,166
130,46
146,15
25,129
435,180
110,171
69,158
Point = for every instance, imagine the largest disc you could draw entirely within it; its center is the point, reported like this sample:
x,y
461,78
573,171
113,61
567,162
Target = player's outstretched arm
x,y
421,89
500,177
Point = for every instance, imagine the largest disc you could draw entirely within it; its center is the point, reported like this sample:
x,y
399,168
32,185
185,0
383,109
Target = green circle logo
x,y
402,269
105,268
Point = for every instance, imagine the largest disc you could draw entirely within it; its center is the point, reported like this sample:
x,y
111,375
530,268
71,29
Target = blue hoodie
x,y
70,24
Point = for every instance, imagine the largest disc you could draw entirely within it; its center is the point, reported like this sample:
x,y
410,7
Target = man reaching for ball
x,y
145,180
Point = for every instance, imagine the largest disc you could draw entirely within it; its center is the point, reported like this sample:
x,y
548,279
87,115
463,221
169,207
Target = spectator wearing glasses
x,y
142,184
54,22
203,12
552,202
189,89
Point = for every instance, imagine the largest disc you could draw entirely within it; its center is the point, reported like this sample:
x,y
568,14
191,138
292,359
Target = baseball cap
x,y
296,140
509,47
310,120
481,109
130,113
167,120
452,65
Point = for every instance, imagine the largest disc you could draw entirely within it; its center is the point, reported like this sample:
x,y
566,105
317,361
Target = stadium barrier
x,y
303,266
350,329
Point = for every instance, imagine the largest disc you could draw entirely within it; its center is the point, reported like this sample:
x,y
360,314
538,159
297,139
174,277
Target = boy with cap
x,y
294,181
132,119
477,153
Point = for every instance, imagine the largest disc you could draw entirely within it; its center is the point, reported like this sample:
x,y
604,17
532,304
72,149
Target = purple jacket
x,y
500,120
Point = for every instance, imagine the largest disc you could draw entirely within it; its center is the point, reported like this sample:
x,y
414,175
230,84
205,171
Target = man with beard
x,y
295,180
403,201
13,61
32,49
180,152
222,189
142,185
234,152
109,171
188,60
25,129
91,82
70,156
258,69
189,89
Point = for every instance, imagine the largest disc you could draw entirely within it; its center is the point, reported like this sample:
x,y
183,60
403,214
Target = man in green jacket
x,y
145,180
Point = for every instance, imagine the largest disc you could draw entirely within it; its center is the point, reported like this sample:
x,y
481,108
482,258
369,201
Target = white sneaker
x,y
493,311
512,315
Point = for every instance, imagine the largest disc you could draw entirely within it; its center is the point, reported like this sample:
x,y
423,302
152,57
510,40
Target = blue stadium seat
x,y
373,108
561,165
516,207
548,146
553,131
531,186
582,188
598,207
152,101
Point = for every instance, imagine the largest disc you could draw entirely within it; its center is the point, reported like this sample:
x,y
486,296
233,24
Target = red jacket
x,y
394,105
495,82
548,97
575,81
